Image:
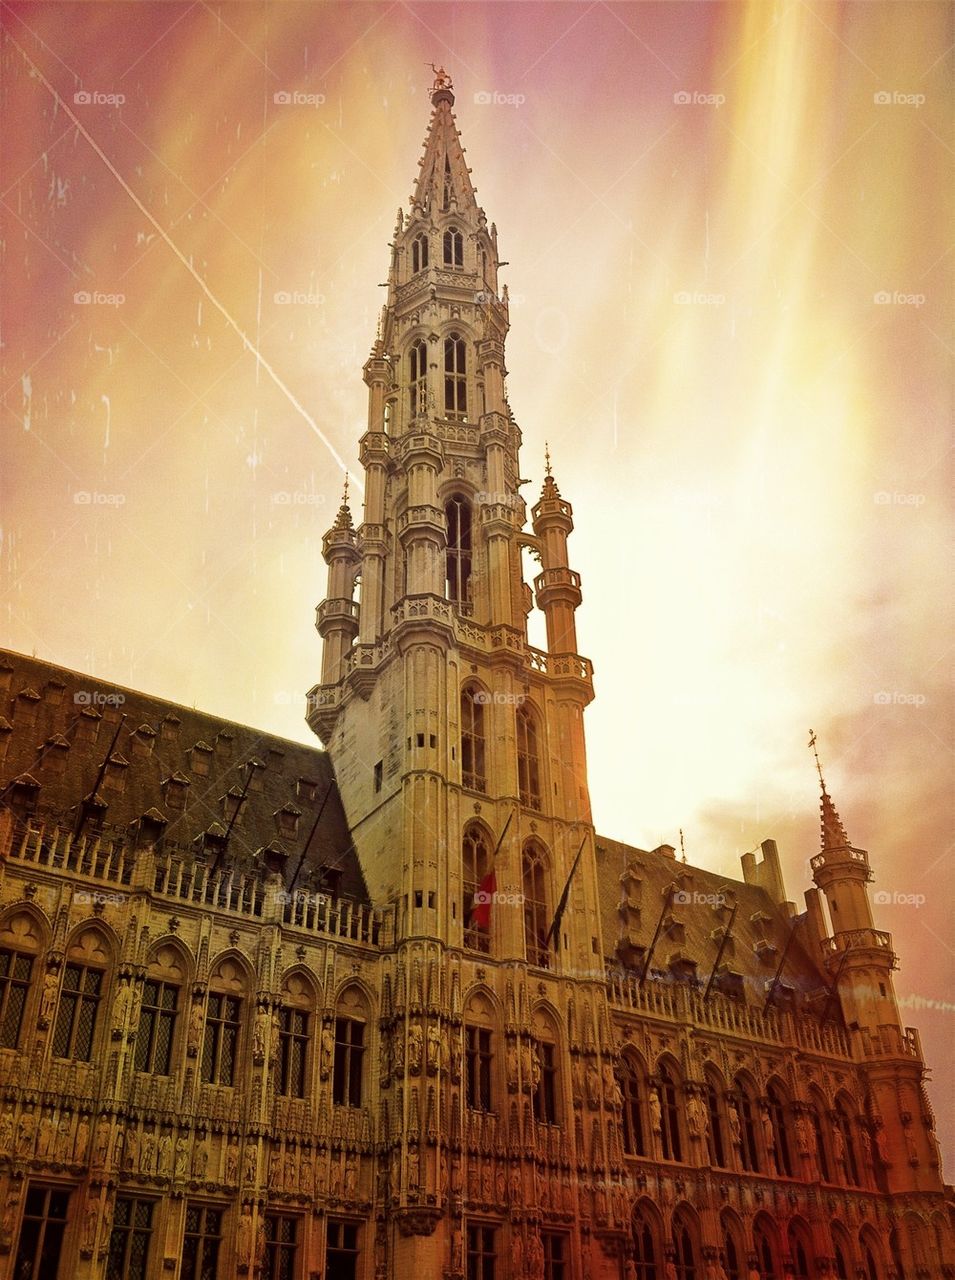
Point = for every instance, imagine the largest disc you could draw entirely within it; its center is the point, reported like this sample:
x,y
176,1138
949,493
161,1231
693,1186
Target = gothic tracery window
x,y
419,254
645,1256
476,860
473,773
528,759
779,1121
418,379
536,923
455,376
665,1086
457,514
634,1131
453,248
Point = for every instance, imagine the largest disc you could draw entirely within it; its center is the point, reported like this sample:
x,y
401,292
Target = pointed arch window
x,y
453,248
457,514
418,379
220,1043
766,1251
473,740
455,376
822,1147
546,1101
476,864
19,945
634,1129
81,995
644,1249
528,759
670,1136
534,865
684,1251
734,1251
799,1253
843,1135
779,1121
419,254
159,1013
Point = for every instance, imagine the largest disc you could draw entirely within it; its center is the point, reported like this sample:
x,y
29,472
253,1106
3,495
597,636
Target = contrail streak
x,y
246,342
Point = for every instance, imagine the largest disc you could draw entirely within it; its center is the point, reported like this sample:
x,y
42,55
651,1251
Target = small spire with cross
x,y
833,832
548,470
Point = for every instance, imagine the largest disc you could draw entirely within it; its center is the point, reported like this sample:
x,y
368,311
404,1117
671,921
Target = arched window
x,y
19,947
479,1050
455,376
800,1251
418,379
895,1250
842,1267
646,1256
778,1106
350,1045
473,773
871,1253
295,1022
766,1244
453,248
81,995
734,1249
665,1086
634,1127
419,254
224,1011
844,1142
476,860
545,1096
159,1012
536,923
746,1110
457,513
528,759
685,1256
716,1129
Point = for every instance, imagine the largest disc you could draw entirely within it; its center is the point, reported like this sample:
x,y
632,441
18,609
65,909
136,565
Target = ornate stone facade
x,y
416,1018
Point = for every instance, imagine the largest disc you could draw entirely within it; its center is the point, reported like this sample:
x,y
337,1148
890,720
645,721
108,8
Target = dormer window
x,y
453,248
419,254
287,820
418,379
201,759
174,791
455,376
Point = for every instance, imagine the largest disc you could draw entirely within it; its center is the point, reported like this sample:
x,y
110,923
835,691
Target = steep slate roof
x,y
61,724
702,906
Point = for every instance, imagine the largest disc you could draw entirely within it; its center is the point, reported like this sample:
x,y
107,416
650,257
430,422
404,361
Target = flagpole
x,y
719,954
779,972
666,907
554,930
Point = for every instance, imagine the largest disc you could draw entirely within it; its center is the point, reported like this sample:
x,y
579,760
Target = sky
x,y
728,236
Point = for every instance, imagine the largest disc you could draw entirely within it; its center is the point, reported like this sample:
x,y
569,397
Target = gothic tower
x,y
458,747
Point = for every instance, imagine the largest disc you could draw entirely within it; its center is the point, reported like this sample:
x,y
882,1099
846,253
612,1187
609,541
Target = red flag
x,y
481,902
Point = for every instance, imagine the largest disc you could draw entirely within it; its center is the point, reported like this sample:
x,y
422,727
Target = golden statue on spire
x,y
441,79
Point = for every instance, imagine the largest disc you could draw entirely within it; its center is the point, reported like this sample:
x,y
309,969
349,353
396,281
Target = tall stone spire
x,y
833,832
444,181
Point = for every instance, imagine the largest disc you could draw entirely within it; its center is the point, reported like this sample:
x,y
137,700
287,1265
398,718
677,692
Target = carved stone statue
x,y
328,1052
250,1164
232,1161
44,1143
434,1049
90,1217
736,1129
81,1142
51,985
147,1152
351,1178
260,1034
611,1086
164,1154
593,1086
656,1112
200,1159
415,1048
245,1239
131,1159
26,1129
196,1023
510,1060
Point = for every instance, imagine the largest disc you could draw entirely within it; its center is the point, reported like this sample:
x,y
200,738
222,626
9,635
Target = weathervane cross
x,y
812,744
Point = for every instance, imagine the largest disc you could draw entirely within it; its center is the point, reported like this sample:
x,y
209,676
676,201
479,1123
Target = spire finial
x,y
345,491
682,846
548,470
812,745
